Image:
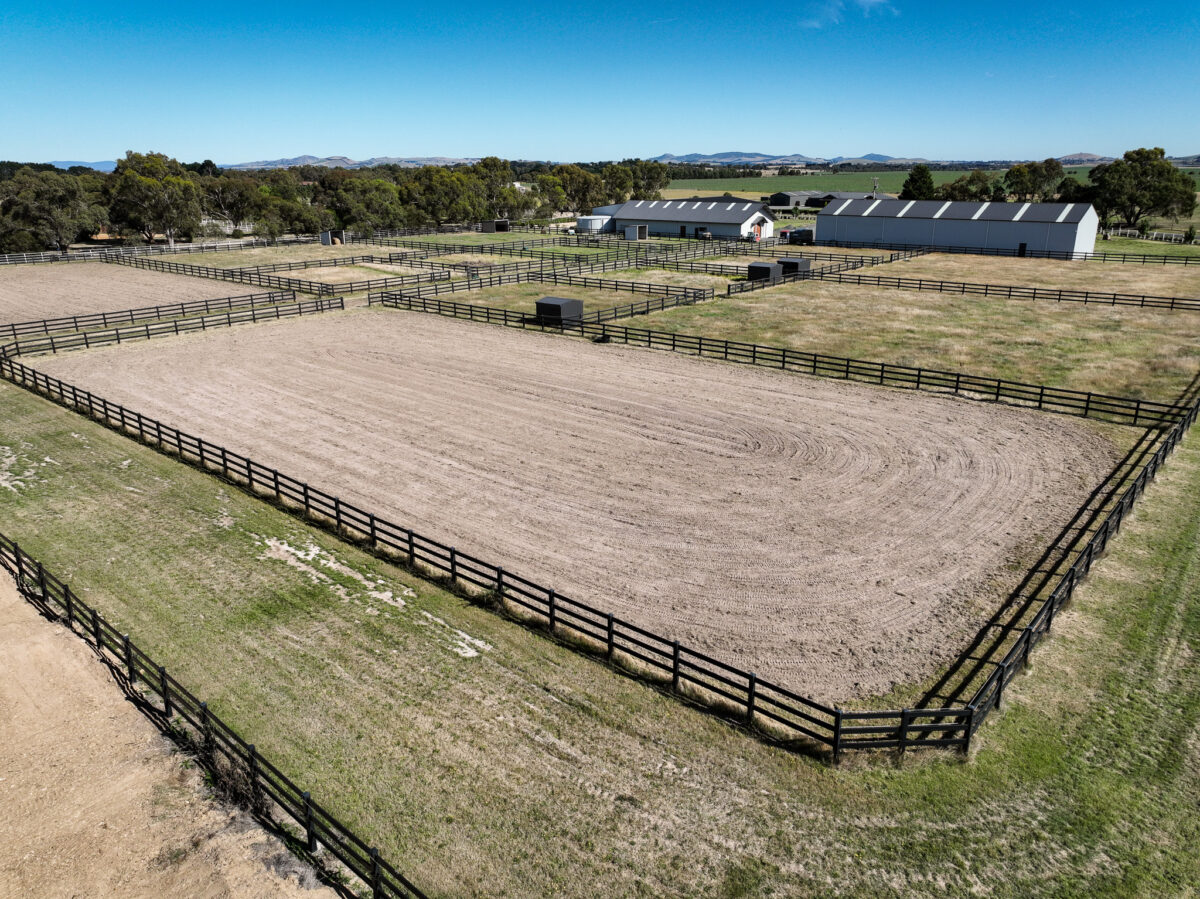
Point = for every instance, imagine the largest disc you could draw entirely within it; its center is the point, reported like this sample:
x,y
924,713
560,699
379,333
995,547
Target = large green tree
x,y
918,185
231,198
52,207
976,185
152,194
1143,183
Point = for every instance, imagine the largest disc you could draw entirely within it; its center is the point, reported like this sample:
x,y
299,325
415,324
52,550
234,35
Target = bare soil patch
x,y
30,292
830,536
1102,277
95,803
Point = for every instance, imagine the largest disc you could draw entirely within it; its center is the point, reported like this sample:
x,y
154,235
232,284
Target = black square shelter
x,y
764,271
556,310
792,266
493,226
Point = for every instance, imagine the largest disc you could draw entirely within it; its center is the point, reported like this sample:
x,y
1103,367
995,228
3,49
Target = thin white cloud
x,y
826,13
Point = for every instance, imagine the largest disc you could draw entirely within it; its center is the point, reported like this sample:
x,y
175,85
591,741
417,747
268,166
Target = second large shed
x,y
1035,228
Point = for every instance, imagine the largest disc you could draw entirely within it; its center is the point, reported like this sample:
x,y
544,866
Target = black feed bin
x,y
764,271
792,266
556,310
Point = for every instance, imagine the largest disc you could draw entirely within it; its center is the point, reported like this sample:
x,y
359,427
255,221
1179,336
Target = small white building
x,y
1018,227
691,218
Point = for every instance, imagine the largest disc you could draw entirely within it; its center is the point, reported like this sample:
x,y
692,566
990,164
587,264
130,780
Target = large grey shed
x,y
1017,228
556,310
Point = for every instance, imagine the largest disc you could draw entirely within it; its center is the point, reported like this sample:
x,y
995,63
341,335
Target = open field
x,y
1145,247
1102,277
112,810
1118,351
832,537
527,770
29,292
889,182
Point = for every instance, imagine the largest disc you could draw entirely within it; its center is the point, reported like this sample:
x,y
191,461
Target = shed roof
x,y
1064,213
722,212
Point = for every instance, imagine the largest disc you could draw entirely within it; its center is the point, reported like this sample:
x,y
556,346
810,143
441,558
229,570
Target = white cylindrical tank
x,y
592,222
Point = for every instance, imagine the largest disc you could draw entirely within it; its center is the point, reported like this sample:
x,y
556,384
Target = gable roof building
x,y
686,218
1036,228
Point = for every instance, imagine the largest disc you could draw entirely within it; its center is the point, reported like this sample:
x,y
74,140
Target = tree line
x,y
1128,191
151,194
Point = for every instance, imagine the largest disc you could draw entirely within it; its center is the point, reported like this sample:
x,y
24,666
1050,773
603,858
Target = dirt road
x,y
94,802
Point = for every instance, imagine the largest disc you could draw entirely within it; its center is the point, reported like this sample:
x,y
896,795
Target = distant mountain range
x,y
106,166
408,162
729,158
736,158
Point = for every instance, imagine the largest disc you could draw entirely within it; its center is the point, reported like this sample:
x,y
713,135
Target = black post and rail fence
x,y
218,747
1121,410
97,320
777,712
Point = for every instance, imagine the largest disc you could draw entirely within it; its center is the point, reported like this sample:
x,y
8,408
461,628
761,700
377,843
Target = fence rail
x,y
783,713
1029,254
225,274
168,328
94,254
1011,292
219,748
557,276
1122,410
153,313
763,283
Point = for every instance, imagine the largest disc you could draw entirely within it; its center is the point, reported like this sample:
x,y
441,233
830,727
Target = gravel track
x,y
833,537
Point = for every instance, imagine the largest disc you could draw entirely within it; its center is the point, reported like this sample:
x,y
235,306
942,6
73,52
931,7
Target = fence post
x,y
837,736
127,647
376,883
751,697
553,596
611,644
675,666
309,833
205,731
96,629
905,718
253,764
69,598
164,690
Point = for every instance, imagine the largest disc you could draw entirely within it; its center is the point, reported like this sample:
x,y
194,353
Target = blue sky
x,y
592,80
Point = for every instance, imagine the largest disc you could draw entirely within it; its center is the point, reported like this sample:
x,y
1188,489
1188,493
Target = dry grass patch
x,y
1105,277
1121,351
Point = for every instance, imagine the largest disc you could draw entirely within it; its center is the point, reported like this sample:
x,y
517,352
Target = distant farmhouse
x,y
721,217
1018,227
